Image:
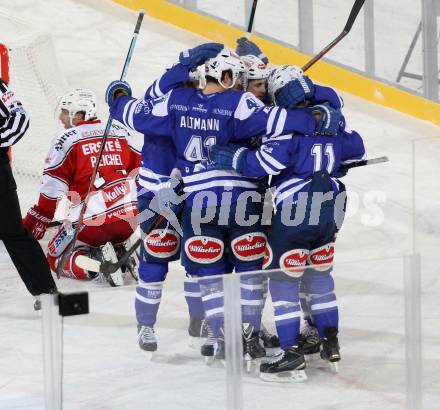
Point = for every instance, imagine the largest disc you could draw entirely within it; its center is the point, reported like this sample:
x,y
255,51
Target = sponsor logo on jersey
x,y
162,244
61,140
322,256
249,247
268,256
204,249
178,107
114,193
199,108
221,111
7,96
293,262
251,103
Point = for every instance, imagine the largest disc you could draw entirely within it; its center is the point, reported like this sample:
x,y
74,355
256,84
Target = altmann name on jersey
x,y
210,124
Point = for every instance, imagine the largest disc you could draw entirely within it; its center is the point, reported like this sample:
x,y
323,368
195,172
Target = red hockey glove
x,y
36,223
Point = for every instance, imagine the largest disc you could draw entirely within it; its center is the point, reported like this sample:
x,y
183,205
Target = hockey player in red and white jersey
x,y
111,215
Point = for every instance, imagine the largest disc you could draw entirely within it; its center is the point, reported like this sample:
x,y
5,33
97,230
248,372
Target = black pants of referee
x,y
23,248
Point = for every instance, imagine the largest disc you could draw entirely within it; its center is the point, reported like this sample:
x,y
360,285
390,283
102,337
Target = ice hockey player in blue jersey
x,y
196,120
162,244
310,203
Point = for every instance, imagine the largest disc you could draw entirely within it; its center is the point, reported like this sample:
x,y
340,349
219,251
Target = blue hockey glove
x,y
246,47
193,57
328,120
168,199
294,92
117,89
228,158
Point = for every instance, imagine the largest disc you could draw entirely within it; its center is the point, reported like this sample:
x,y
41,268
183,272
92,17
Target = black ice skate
x,y
309,341
330,347
287,367
147,340
252,349
220,349
197,330
207,349
269,340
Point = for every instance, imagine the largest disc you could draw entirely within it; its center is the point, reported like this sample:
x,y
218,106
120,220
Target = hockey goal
x,y
28,60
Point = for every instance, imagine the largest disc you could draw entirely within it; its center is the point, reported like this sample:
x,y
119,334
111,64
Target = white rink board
x,y
101,374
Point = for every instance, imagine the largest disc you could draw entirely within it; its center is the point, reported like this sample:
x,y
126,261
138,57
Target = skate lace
x,y
278,357
146,334
310,331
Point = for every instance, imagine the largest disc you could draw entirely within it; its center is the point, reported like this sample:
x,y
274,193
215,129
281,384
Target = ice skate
x,y
109,254
208,348
147,340
197,331
309,341
287,367
220,351
330,348
252,349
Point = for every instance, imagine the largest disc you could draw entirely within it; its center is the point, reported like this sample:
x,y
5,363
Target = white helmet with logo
x,y
280,76
225,60
255,69
79,100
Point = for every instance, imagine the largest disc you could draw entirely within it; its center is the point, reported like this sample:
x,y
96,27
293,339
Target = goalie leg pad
x,y
71,269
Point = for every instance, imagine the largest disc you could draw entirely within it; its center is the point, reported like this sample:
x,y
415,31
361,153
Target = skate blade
x,y
209,360
148,355
293,376
334,366
250,363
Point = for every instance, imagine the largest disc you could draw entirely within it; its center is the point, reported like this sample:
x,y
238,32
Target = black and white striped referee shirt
x,y
14,120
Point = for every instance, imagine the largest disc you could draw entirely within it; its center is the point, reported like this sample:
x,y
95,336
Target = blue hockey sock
x,y
212,299
148,296
323,303
304,299
251,290
285,298
193,298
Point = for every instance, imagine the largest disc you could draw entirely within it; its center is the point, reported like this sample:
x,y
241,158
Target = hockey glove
x,y
246,47
294,92
231,157
117,89
327,119
36,222
193,57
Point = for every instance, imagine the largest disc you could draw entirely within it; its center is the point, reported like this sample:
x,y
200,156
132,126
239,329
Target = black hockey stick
x,y
363,163
71,245
351,19
251,19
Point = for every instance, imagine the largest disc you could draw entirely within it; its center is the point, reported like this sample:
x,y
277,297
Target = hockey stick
x,y
363,163
71,245
351,19
251,19
107,267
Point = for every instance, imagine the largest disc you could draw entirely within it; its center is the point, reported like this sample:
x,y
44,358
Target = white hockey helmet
x,y
255,69
225,60
79,100
280,76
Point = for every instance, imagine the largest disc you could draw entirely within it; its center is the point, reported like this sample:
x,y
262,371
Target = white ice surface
x,y
103,367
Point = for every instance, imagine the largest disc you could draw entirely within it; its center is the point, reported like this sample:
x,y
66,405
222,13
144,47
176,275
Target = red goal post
x,y
4,63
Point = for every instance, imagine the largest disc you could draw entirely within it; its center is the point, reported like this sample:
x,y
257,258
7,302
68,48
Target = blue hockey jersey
x,y
292,160
195,121
159,154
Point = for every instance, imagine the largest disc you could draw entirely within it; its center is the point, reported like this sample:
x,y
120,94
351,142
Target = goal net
x,y
36,79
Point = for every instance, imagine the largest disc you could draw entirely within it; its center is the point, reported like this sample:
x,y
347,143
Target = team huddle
x,y
239,172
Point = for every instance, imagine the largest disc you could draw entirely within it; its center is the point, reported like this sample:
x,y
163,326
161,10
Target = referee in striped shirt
x,y
24,250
